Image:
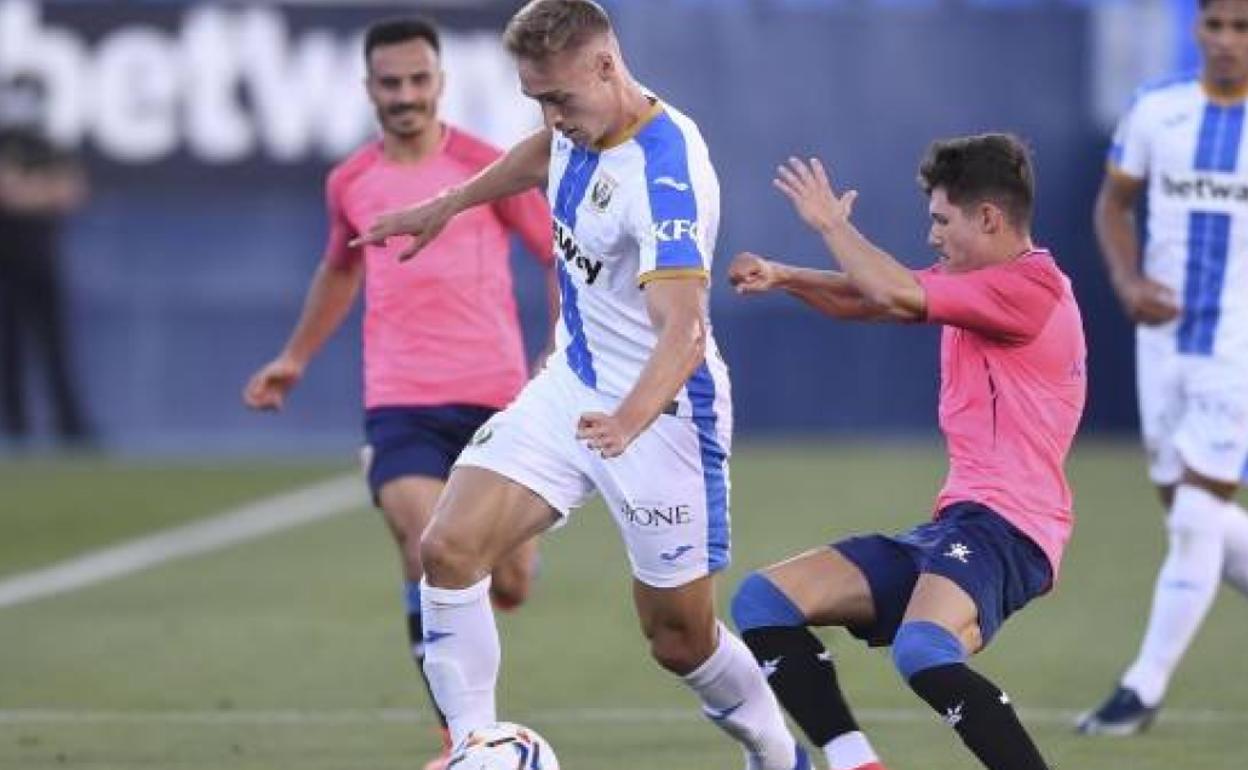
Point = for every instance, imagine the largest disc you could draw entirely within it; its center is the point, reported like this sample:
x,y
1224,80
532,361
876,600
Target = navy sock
x,y
416,637
981,714
797,665
800,671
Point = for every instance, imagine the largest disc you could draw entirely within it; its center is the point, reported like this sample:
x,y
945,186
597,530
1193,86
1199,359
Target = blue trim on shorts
x,y
998,566
701,389
418,440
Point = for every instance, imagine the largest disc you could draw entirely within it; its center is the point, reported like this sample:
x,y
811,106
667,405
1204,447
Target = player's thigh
x,y
1162,404
937,599
408,503
668,495
1212,437
976,570
827,588
533,443
482,515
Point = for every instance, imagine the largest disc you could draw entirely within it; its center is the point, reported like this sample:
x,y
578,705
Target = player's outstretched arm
x,y
1145,301
883,281
676,310
329,299
828,291
522,167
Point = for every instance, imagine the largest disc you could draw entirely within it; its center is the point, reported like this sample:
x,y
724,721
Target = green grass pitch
x,y
289,651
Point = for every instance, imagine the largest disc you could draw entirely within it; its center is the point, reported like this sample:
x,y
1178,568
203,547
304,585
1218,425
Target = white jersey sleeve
x,y
1129,153
675,219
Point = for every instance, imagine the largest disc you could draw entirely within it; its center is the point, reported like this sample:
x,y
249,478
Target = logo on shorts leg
x,y
656,516
958,551
675,553
483,434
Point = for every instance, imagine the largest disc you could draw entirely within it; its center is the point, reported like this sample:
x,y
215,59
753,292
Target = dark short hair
x,y
545,27
992,168
393,31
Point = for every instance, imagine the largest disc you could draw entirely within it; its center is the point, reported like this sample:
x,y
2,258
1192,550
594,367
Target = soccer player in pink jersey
x,y
442,343
1012,393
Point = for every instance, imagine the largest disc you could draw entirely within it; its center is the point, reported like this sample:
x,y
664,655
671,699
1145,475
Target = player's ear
x,y
990,218
604,65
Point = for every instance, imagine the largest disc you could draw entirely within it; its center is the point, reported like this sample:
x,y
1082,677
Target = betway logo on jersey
x,y
676,229
573,255
1203,188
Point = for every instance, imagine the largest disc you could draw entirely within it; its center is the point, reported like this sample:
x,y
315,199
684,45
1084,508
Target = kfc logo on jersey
x,y
676,229
572,255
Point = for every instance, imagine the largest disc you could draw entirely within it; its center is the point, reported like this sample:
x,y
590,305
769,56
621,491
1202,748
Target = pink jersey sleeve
x,y
528,216
337,252
1011,302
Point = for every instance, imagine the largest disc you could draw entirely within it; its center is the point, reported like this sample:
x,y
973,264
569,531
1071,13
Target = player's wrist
x,y
294,359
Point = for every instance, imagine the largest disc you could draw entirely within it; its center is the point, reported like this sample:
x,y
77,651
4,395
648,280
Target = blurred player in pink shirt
x,y
1012,393
442,342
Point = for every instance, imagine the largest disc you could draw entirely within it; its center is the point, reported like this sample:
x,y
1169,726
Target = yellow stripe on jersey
x,y
632,129
678,272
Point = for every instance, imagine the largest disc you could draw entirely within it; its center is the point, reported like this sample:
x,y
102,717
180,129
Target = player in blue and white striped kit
x,y
1187,291
634,403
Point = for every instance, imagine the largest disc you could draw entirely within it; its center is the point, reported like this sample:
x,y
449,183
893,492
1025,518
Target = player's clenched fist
x,y
751,274
268,387
1148,302
603,433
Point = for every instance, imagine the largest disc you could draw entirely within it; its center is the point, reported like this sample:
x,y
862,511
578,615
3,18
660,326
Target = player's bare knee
x,y
449,559
679,647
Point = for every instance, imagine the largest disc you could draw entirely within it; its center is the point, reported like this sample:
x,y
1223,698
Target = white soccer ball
x,y
503,746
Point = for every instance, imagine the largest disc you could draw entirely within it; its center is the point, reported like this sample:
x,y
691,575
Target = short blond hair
x,y
545,27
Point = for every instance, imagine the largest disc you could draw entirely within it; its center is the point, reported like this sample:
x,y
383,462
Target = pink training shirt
x,y
440,328
1012,389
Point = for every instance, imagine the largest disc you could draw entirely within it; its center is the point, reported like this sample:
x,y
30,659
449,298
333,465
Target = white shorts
x,y
668,492
1193,410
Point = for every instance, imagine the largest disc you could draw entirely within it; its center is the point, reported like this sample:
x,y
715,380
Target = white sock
x,y
1235,568
849,751
736,697
461,654
1186,587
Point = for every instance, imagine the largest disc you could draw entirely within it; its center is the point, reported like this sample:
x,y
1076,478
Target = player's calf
x,y
800,671
930,659
513,577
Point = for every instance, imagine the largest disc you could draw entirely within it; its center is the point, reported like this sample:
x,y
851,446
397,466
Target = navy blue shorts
x,y
418,440
996,564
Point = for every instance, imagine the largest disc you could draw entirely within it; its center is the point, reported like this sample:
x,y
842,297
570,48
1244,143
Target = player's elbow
x,y
890,305
695,338
896,303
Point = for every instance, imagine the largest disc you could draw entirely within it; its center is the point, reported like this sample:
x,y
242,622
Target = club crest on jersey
x,y
483,434
600,194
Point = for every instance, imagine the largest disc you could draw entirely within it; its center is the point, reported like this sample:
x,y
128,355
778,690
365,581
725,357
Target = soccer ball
x,y
503,746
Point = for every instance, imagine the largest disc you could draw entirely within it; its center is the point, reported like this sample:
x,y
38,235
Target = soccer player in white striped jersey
x,y
633,405
1187,291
